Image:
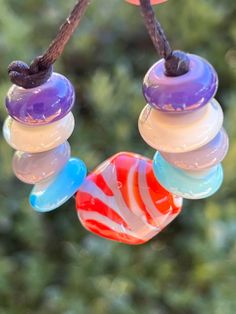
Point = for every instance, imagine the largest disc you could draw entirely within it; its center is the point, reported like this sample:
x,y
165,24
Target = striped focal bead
x,y
122,201
187,184
183,93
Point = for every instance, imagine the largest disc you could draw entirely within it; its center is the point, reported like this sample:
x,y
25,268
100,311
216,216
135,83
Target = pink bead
x,y
34,168
204,157
137,2
121,200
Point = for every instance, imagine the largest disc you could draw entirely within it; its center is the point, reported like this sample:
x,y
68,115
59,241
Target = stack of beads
x,y
183,122
38,126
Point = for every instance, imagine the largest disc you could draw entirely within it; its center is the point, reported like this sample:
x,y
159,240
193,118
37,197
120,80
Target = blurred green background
x,y
49,263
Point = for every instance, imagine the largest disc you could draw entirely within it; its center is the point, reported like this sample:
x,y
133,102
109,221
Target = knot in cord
x,y
28,76
40,69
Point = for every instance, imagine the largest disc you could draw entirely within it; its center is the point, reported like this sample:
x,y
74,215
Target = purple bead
x,y
43,104
183,93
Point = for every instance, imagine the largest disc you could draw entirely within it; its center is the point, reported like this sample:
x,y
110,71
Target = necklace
x,y
127,198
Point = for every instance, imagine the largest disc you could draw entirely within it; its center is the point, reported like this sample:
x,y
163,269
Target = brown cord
x,y
41,68
155,30
176,62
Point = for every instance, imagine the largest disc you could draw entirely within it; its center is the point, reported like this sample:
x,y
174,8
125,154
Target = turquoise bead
x,y
189,185
51,194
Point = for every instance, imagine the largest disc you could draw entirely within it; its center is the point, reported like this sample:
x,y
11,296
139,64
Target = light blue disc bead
x,y
189,185
51,194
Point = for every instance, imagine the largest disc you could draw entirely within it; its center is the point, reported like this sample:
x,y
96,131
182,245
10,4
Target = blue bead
x,y
51,194
189,185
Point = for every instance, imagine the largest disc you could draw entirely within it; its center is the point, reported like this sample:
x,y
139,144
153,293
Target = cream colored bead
x,y
177,133
36,139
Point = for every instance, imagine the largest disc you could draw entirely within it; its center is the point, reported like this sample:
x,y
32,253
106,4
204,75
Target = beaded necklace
x,y
128,198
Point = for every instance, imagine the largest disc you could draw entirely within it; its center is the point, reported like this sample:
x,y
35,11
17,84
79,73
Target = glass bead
x,y
189,185
184,132
182,93
34,168
204,157
153,2
42,104
53,193
37,139
122,201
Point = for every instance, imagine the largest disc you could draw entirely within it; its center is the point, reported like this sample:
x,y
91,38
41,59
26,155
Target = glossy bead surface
x,y
189,185
204,157
37,139
43,104
184,132
137,2
53,193
183,93
33,168
121,200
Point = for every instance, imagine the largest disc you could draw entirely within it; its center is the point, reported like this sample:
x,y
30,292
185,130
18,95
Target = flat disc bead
x,y
38,139
183,93
43,104
137,2
53,193
204,157
34,168
189,185
168,132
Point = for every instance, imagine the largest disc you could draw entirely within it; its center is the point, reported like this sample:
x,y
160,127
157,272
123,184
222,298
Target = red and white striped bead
x,y
122,200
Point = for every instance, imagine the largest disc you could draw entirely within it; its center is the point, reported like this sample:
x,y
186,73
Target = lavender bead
x,y
205,157
183,93
34,168
43,104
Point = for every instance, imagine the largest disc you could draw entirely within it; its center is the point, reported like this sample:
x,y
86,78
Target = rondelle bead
x,y
54,192
182,93
189,185
122,201
37,139
204,157
184,132
34,168
137,2
43,104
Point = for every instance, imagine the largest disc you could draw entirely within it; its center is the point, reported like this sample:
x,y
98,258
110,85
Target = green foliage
x,y
49,263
